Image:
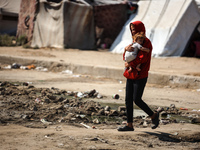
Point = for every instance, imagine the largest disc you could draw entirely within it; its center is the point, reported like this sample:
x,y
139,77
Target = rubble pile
x,y
22,103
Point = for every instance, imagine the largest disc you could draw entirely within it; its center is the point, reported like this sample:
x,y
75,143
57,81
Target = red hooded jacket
x,y
142,58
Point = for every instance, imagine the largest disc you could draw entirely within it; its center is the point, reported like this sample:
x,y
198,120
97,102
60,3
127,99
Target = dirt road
x,y
33,134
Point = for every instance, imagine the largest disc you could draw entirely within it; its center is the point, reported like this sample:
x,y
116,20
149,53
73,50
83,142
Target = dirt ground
x,y
22,128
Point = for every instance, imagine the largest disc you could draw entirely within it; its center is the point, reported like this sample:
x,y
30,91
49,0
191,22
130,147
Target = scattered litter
x,y
45,122
93,127
88,127
15,66
194,110
41,69
176,133
120,90
115,96
96,121
107,108
77,76
82,116
37,100
198,90
99,96
160,109
7,67
80,95
24,68
120,82
31,67
183,109
172,106
145,123
67,72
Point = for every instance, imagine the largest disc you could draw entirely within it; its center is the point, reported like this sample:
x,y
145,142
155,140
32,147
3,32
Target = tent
x,y
70,24
170,24
9,10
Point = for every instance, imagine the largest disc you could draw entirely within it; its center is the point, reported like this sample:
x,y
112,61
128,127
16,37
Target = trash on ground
x,y
67,72
115,96
88,127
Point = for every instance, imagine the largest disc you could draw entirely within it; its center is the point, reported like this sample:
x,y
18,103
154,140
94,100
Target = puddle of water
x,y
136,112
179,119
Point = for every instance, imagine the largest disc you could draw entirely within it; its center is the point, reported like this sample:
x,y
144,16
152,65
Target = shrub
x,y
6,40
22,40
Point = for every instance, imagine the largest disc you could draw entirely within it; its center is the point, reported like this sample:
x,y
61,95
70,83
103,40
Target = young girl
x,y
135,85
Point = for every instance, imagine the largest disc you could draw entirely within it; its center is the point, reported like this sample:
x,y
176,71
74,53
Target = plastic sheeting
x,y
169,25
48,28
65,24
79,28
10,7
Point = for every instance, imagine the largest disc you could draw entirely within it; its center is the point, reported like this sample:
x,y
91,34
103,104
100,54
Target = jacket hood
x,y
139,26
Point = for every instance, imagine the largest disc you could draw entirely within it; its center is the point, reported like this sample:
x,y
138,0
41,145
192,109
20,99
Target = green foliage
x,y
22,40
6,40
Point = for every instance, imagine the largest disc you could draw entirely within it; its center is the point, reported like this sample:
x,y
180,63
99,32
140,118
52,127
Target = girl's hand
x,y
128,48
127,64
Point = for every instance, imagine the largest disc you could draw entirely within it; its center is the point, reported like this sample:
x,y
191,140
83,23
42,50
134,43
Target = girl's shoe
x,y
125,128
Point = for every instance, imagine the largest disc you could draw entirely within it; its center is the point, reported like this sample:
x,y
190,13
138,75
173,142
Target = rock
x,y
96,121
47,100
164,114
144,124
69,116
107,108
30,86
51,97
172,106
91,108
121,108
113,113
101,112
165,121
91,93
196,120
99,96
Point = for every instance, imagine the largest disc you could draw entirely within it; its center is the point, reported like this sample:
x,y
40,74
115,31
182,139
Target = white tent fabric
x,y
65,24
48,29
10,7
169,25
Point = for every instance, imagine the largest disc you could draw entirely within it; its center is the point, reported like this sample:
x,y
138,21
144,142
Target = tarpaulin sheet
x,y
169,25
65,24
79,28
48,28
10,7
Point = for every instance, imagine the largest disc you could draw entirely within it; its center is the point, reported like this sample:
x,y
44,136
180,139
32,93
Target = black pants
x,y
134,92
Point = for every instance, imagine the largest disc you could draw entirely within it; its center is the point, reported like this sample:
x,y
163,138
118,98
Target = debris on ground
x,y
22,103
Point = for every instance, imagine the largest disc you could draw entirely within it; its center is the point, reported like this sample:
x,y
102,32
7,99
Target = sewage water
x,y
136,112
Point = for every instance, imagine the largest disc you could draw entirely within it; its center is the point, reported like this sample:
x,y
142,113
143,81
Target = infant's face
x,y
140,40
